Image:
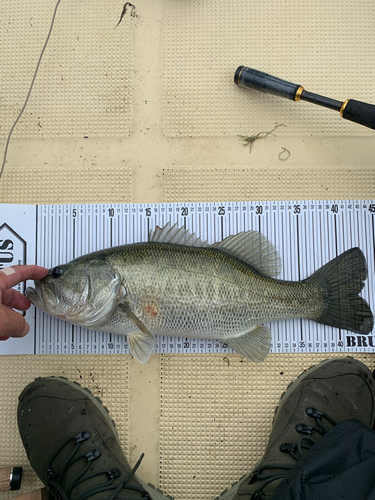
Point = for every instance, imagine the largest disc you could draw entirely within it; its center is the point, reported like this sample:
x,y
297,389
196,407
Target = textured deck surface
x,y
148,112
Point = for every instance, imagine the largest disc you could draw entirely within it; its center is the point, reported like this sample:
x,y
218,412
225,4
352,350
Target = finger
x,y
11,276
12,323
15,300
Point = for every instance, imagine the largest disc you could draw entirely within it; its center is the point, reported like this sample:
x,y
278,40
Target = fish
x,y
176,284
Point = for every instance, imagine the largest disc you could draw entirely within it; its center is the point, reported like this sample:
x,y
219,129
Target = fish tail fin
x,y
341,280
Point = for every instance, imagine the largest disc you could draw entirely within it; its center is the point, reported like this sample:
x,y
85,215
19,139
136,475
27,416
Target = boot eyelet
x,y
313,412
93,455
82,436
304,429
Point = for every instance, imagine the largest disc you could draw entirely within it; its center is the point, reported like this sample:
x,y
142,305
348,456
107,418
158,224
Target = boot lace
x,y
272,472
58,486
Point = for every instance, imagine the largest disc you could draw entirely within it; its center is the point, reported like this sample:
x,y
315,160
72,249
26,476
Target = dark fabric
x,y
341,465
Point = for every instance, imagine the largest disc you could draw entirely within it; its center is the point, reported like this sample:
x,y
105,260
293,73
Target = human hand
x,y
12,323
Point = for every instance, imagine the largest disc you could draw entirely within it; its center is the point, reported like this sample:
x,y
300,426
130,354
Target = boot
x,y
334,390
72,444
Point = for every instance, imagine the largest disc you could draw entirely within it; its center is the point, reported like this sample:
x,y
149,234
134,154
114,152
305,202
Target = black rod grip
x,y
359,112
254,79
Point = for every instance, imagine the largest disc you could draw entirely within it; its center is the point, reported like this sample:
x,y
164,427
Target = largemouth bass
x,y
176,284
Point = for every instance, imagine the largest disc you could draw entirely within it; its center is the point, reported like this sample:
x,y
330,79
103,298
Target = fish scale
x,y
223,296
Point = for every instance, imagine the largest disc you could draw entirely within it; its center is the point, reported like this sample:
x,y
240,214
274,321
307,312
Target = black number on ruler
x,y
74,212
111,212
259,209
221,211
335,208
148,212
371,208
184,211
297,209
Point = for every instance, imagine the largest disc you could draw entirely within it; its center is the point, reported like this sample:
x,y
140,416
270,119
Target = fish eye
x,y
57,272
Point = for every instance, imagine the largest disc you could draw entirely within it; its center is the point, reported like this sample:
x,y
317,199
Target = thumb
x,y
12,323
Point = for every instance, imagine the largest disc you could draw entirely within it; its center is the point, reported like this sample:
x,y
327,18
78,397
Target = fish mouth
x,y
34,295
43,296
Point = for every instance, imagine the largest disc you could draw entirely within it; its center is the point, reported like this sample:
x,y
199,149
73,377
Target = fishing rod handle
x,y
355,111
254,79
359,112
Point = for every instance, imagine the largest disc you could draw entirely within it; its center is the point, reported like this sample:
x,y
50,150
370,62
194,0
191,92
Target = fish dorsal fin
x,y
176,235
254,249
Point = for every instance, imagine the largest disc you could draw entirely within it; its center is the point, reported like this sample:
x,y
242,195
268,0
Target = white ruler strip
x,y
306,233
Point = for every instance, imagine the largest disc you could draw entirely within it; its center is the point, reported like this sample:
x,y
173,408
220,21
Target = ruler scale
x,y
306,233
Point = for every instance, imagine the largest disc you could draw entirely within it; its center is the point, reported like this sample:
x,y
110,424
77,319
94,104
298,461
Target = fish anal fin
x,y
141,346
254,344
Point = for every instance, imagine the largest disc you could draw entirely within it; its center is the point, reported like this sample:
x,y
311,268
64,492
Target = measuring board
x,y
307,234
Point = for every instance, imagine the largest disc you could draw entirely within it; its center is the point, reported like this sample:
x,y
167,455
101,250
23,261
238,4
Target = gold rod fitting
x,y
238,79
299,93
342,109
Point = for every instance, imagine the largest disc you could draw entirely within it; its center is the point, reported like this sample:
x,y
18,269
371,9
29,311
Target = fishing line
x,y
30,89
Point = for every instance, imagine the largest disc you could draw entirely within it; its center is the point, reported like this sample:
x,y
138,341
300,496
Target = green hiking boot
x,y
73,446
334,390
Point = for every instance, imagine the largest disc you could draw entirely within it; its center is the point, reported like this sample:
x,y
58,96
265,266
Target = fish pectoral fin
x,y
127,310
141,346
254,345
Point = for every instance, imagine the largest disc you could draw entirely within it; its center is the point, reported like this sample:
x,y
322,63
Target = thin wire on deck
x,y
30,89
